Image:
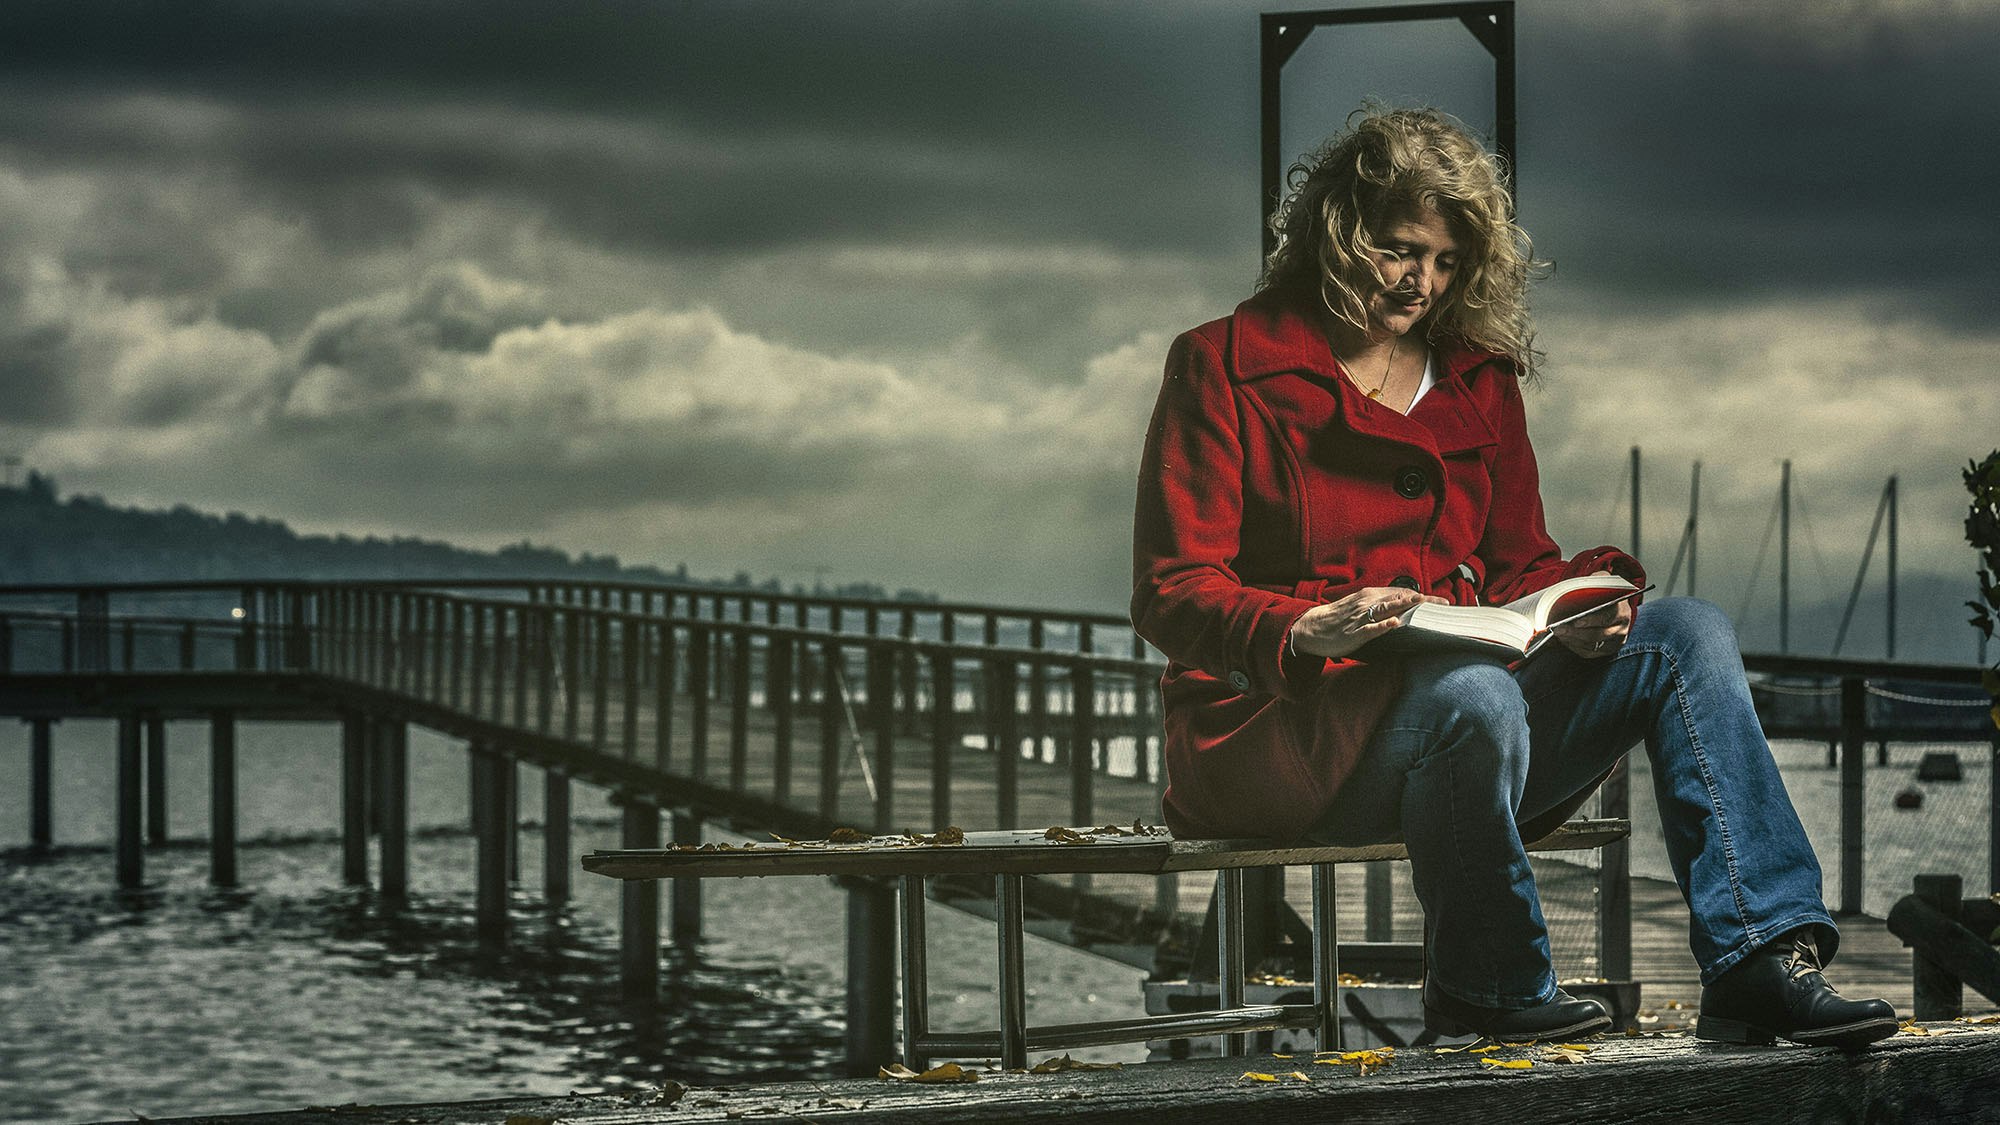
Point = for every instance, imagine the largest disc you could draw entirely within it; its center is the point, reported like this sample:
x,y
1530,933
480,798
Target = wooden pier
x,y
1940,1072
769,714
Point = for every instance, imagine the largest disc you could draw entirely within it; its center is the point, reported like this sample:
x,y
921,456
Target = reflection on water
x,y
184,999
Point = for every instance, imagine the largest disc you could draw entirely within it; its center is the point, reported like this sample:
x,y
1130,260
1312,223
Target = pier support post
x,y
1853,729
375,746
639,911
489,830
354,732
222,798
131,853
156,779
393,738
871,974
509,775
41,825
687,892
1935,988
555,837
1614,881
1378,902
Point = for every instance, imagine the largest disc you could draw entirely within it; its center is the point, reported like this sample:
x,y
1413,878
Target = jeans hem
x,y
1498,1001
1756,937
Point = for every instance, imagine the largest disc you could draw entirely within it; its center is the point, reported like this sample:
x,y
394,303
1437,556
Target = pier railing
x,y
669,679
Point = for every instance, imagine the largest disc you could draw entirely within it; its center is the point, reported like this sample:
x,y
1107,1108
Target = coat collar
x,y
1274,332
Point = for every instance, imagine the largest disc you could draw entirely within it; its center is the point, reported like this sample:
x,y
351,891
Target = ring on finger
x,y
1373,610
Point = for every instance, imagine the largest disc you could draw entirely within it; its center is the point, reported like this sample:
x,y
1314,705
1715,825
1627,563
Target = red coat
x,y
1269,484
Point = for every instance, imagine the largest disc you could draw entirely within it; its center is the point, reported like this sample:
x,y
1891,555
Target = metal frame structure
x,y
1283,33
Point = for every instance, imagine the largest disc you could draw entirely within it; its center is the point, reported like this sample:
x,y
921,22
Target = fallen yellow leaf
x,y
1483,1050
1362,1061
1584,1047
1507,1064
1561,1055
1258,1076
943,1072
1300,1077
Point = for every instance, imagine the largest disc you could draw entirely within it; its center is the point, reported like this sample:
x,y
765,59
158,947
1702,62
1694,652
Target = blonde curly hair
x,y
1387,164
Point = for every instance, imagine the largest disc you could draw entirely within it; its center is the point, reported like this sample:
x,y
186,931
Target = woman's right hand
x,y
1339,627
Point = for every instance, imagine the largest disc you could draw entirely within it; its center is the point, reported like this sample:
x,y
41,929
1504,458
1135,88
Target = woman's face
x,y
1418,258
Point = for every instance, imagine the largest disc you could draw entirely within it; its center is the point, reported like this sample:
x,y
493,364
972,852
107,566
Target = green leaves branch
x,y
1982,530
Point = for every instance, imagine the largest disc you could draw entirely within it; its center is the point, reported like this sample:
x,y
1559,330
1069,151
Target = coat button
x,y
1411,482
1239,681
1405,582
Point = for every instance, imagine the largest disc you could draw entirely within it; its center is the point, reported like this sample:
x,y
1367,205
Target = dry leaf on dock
x,y
1363,1062
943,1072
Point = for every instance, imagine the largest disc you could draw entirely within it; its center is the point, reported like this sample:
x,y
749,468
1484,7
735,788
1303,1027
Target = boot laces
x,y
1803,958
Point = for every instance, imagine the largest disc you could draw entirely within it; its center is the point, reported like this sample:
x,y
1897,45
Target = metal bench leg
x,y
916,999
1229,948
1326,957
1007,911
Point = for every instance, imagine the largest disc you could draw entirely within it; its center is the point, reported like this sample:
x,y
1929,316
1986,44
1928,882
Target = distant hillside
x,y
45,538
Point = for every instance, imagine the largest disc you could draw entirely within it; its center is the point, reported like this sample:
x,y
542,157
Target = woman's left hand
x,y
1598,634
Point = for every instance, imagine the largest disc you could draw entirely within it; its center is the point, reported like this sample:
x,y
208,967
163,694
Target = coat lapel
x,y
1273,337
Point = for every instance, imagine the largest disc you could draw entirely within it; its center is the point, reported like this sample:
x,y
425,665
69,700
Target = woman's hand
x,y
1599,633
1339,627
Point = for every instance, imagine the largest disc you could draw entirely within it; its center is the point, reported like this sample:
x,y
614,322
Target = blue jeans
x,y
1470,748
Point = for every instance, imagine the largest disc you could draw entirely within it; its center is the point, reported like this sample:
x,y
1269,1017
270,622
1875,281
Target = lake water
x,y
296,990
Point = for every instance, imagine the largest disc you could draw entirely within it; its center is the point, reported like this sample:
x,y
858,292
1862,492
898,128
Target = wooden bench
x,y
1009,856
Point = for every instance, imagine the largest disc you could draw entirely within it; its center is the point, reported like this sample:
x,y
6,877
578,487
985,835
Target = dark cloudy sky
x,y
881,290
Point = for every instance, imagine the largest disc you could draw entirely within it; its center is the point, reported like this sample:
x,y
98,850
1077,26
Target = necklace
x,y
1383,383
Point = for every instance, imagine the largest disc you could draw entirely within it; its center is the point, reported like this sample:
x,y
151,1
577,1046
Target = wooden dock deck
x,y
1940,1072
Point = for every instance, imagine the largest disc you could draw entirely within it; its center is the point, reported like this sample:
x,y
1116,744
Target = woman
x,y
1351,442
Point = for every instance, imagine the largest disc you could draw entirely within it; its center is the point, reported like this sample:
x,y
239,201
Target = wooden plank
x,y
1023,851
1212,855
1951,1074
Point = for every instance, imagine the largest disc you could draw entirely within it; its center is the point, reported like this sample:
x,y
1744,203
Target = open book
x,y
1509,631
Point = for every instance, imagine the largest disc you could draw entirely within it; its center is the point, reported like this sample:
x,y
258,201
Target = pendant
x,y
1376,394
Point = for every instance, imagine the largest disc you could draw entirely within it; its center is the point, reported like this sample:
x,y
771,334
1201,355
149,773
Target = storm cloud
x,y
881,291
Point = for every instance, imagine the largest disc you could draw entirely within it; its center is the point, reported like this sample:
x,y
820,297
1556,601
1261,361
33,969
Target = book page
x,y
1570,598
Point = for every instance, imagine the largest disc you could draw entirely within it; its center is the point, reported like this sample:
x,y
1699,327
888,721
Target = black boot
x,y
1564,1017
1778,990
